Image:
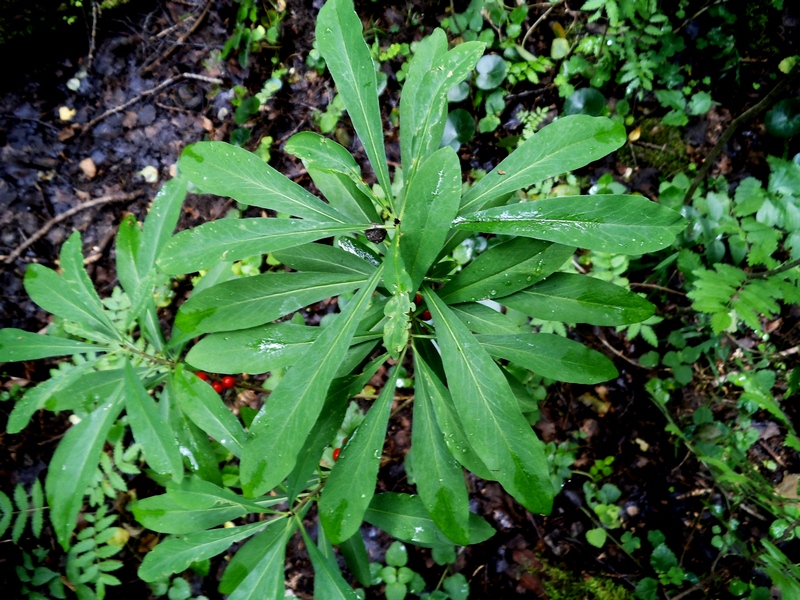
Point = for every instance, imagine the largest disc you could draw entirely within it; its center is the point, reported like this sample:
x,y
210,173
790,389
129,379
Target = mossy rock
x,y
561,584
661,147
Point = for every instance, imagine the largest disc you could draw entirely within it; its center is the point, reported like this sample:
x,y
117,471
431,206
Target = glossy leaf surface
x,y
505,269
565,145
323,258
17,345
574,298
232,239
489,412
340,41
226,170
551,356
404,517
74,465
281,427
251,301
266,579
607,222
328,580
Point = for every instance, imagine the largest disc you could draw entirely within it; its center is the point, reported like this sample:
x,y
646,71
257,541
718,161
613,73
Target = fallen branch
x,y
164,84
179,42
66,215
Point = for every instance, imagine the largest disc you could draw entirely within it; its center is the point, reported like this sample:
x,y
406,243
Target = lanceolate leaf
x,y
430,206
204,407
282,426
481,319
226,170
251,301
448,420
149,429
74,464
423,106
404,517
195,446
341,43
572,298
607,222
328,580
232,239
551,356
17,345
258,350
193,505
161,221
336,173
439,477
351,483
354,552
265,579
323,258
489,412
505,269
249,554
176,553
128,246
567,144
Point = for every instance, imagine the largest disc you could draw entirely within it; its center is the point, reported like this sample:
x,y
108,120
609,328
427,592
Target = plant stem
x,y
782,269
735,124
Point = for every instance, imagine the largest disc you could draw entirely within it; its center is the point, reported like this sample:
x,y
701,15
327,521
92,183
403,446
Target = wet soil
x,y
51,162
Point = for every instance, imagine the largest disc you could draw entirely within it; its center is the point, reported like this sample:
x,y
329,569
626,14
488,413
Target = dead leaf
x,y
595,403
88,167
788,487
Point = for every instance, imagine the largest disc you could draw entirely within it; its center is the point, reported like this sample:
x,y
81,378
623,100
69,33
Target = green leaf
x,y
225,170
663,559
23,511
266,579
149,429
565,145
43,394
233,239
341,43
481,319
458,128
784,118
128,247
37,499
175,554
7,513
354,552
351,483
74,464
258,350
585,101
70,296
336,173
398,323
447,418
491,70
552,356
439,478
572,298
504,269
248,556
700,103
194,505
489,412
281,427
606,222
161,221
196,448
323,258
404,517
430,206
328,580
17,345
597,537
205,408
251,301
432,72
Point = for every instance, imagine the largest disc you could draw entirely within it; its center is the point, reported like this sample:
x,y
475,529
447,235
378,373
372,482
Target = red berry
x,y
218,387
426,315
336,452
202,375
228,381
417,299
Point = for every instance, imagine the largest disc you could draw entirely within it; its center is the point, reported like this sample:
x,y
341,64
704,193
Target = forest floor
x,y
75,151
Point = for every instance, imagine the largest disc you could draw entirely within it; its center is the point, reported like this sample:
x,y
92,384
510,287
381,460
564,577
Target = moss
x,y
661,147
561,584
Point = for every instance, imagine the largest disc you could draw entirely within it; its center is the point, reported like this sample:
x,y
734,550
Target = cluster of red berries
x,y
225,383
425,315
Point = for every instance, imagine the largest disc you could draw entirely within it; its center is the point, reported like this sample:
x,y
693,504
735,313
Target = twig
x,y
164,84
656,287
751,112
776,271
538,21
602,337
179,42
66,215
92,40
